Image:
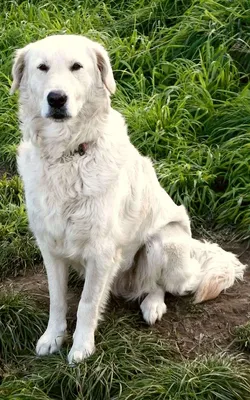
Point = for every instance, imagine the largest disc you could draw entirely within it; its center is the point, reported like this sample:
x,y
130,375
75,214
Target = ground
x,y
193,329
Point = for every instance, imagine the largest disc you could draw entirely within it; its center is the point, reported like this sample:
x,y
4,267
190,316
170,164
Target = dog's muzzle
x,y
57,105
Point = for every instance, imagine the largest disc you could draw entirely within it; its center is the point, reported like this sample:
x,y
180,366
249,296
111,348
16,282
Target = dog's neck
x,y
56,140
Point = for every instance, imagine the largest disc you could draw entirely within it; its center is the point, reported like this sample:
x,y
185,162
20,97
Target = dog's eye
x,y
75,67
43,67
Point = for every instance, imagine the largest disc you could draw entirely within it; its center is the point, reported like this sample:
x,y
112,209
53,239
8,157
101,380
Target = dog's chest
x,y
59,212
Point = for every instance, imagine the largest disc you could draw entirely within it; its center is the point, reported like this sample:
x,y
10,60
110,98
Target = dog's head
x,y
58,75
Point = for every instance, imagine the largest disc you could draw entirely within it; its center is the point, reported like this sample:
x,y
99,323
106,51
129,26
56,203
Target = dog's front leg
x,y
98,280
57,272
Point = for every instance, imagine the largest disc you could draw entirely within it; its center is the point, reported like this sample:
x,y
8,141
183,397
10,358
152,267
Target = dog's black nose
x,y
57,99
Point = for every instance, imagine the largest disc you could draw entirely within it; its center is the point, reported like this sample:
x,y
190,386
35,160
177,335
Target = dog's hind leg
x,y
165,265
181,274
148,274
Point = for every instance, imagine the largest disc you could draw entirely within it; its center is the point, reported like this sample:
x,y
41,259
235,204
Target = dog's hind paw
x,y
49,343
153,309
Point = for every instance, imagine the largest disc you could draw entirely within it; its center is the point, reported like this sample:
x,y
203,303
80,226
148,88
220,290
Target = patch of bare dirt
x,y
193,329
36,285
198,329
202,328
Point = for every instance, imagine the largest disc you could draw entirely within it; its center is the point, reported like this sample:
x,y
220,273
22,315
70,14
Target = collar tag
x,y
82,148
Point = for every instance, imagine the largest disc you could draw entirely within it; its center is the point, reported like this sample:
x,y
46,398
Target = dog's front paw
x,y
49,343
152,310
79,353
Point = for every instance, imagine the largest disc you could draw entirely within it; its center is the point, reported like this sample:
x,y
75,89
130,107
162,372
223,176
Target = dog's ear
x,y
104,66
18,69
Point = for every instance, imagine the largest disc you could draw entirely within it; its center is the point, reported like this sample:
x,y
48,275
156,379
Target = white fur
x,y
104,212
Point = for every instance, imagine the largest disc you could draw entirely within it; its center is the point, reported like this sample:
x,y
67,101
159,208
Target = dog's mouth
x,y
58,115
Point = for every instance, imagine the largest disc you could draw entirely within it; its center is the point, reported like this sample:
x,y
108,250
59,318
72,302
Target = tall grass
x,y
183,85
17,247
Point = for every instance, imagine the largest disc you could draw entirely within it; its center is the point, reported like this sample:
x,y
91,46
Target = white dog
x,y
94,202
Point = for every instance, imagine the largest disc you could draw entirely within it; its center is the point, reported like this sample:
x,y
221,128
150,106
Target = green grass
x,y
130,363
21,390
211,379
242,336
21,324
182,68
217,378
17,248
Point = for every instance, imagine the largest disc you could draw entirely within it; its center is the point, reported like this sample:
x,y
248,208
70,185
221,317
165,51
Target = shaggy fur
x,y
103,212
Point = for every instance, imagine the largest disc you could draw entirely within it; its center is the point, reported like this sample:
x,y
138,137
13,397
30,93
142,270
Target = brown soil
x,y
193,329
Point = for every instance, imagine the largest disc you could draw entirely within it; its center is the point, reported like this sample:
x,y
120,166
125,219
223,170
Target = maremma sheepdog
x,y
94,202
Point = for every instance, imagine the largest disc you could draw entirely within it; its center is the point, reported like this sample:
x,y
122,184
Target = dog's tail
x,y
219,269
